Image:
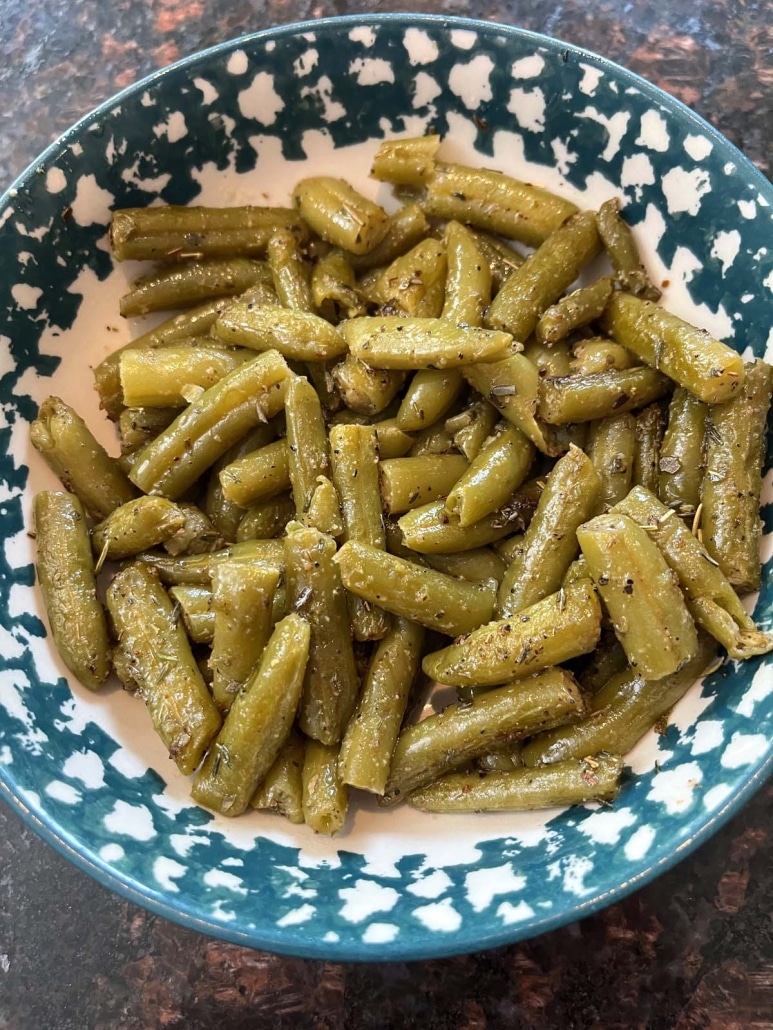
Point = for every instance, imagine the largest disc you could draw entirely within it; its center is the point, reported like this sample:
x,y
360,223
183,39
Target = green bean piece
x,y
242,600
78,459
325,797
339,214
196,535
315,590
251,394
257,724
290,273
622,251
226,515
320,373
499,761
626,708
571,496
392,342
462,732
597,354
324,511
414,283
495,202
136,526
606,661
196,569
392,441
611,447
408,483
553,360
167,377
587,398
281,789
297,335
432,599
138,426
406,227
577,309
432,440
572,782
430,394
476,566
641,594
681,452
65,568
258,475
195,606
366,390
650,425
558,627
710,597
509,548
190,283
170,683
307,443
472,427
172,233
430,530
544,276
735,448
266,519
501,258
690,356
468,279
334,288
493,476
406,162
512,385
370,738
354,455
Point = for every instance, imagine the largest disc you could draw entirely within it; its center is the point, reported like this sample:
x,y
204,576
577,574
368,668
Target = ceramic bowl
x,y
241,123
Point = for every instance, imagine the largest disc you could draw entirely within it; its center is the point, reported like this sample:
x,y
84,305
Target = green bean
x,y
136,526
571,496
163,377
339,214
432,440
412,482
258,475
622,251
191,283
476,566
413,284
65,569
266,519
145,621
138,426
315,590
735,448
650,424
257,723
641,594
552,360
196,569
495,202
320,373
606,661
472,427
623,711
364,389
492,477
573,311
290,274
710,597
78,459
282,787
611,447
370,738
195,605
511,547
689,356
463,731
468,279
176,233
408,343
297,335
196,535
324,511
430,530
572,782
392,441
558,627
405,228
325,798
496,761
406,162
501,258
587,398
422,595
308,451
334,288
430,393
544,276
250,394
512,385
598,354
354,455
681,452
226,515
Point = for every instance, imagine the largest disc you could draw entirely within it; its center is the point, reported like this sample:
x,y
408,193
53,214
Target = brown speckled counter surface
x,y
692,951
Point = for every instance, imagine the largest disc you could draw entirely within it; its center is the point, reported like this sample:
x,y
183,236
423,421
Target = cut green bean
x,y
586,398
622,251
290,274
493,477
406,227
573,311
308,451
325,797
413,285
598,354
611,447
196,535
334,288
226,515
406,162
650,425
408,483
430,529
258,475
681,452
468,279
163,377
501,258
476,566
339,214
281,789
364,389
191,283
138,426
430,394
512,385
409,343
136,526
553,360
297,335
195,605
196,569
472,427
266,519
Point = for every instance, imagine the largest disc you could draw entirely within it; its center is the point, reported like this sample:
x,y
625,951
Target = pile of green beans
x,y
377,452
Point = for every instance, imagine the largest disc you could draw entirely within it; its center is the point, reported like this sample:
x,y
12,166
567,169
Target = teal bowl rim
x,y
294,941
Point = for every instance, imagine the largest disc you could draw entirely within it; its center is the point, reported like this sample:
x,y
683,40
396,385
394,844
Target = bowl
x,y
242,122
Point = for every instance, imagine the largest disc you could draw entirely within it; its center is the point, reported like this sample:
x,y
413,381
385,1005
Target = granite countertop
x,y
691,951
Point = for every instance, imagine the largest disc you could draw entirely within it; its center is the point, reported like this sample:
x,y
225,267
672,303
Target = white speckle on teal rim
x,y
166,871
432,885
323,89
111,852
572,871
223,914
30,737
6,755
440,917
606,826
761,686
306,63
87,767
380,933
675,788
426,89
699,148
260,101
174,128
56,180
296,891
92,203
297,916
420,47
331,937
208,92
743,749
363,34
364,899
616,126
725,248
26,297
127,763
219,878
372,71
639,843
511,914
238,63
768,281
471,82
653,132
684,189
483,885
528,67
128,820
564,157
708,736
591,78
637,171
463,39
382,865
717,796
528,106
64,792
